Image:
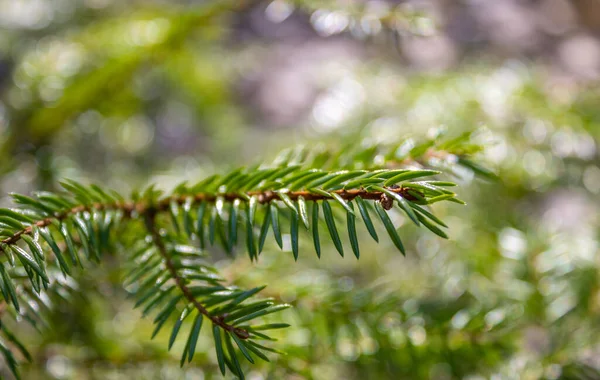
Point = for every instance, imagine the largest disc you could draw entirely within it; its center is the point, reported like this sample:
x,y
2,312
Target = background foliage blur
x,y
127,92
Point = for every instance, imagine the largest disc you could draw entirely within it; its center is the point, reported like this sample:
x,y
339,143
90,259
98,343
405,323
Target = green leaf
x,y
193,338
270,326
440,198
212,225
242,297
93,238
26,259
160,296
478,169
257,178
320,192
102,194
35,205
205,290
220,298
341,177
64,231
362,207
227,179
421,148
47,236
288,202
301,174
442,183
342,202
174,213
315,228
250,243
249,308
257,352
233,356
418,197
54,200
117,196
360,182
142,268
386,174
238,182
219,348
16,215
177,326
264,229
303,213
9,254
432,227
200,223
456,200
34,246
205,184
260,313
9,286
4,289
257,335
411,174
84,236
187,218
389,226
10,360
164,316
328,213
429,215
294,234
33,278
169,307
275,224
281,173
259,346
351,219
10,222
82,194
242,347
183,356
299,180
150,287
104,223
159,324
424,187
252,204
220,207
16,342
233,217
437,190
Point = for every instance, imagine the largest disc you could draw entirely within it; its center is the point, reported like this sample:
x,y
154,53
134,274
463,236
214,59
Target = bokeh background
x,y
126,93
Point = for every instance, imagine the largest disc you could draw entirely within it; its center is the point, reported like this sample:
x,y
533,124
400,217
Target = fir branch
x,y
263,197
442,152
150,218
127,208
170,275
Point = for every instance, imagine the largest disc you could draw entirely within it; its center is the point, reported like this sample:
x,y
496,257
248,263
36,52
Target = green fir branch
x,y
51,233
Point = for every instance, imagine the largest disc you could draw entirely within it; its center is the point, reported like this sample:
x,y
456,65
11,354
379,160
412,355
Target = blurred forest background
x,y
129,92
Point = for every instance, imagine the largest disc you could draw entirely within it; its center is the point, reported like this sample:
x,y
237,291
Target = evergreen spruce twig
x,y
168,235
